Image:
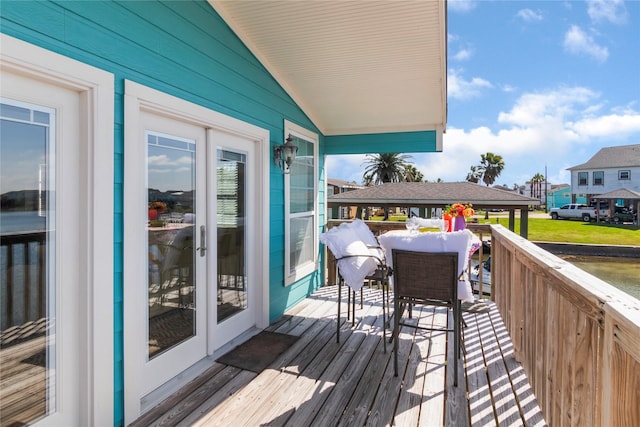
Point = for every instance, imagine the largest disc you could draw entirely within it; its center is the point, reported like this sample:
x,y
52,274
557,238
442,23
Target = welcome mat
x,y
259,351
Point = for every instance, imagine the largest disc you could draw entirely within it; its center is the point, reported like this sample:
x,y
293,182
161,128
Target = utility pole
x,y
546,197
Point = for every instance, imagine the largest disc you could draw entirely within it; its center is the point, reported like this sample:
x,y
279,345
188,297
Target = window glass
x,y
624,175
300,207
583,178
598,178
29,284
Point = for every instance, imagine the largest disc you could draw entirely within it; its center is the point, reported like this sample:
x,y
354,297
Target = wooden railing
x,y
576,336
23,258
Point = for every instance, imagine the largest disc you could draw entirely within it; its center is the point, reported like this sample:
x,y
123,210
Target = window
x,y
583,178
598,178
301,236
624,175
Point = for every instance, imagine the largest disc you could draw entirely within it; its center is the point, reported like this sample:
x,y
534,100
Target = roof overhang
x,y
353,67
432,194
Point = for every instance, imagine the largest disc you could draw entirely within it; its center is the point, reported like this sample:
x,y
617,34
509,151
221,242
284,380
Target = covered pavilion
x,y
633,197
438,195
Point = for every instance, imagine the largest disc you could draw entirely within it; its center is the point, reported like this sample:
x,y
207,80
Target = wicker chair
x,y
380,277
359,259
425,278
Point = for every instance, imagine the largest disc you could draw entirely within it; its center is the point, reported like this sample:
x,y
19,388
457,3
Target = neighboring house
x,y
535,190
337,186
610,169
560,195
141,124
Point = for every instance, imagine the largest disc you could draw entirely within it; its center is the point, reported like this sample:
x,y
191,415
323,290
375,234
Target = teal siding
x,y
409,142
186,50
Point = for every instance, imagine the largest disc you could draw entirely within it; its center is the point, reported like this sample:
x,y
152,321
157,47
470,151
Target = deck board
x,y
320,382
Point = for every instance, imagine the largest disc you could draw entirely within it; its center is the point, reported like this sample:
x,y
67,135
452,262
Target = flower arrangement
x,y
460,209
158,206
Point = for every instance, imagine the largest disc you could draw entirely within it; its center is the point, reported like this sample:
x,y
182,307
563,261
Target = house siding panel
x,y
186,50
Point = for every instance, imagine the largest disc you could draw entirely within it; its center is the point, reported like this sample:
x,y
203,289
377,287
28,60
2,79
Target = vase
x,y
459,223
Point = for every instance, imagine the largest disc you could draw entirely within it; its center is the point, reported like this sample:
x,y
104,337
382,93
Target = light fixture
x,y
284,155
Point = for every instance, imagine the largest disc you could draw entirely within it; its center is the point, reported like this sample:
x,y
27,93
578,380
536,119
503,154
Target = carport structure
x,y
633,197
438,195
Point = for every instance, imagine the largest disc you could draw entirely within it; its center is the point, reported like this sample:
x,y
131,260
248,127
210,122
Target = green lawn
x,y
548,230
566,231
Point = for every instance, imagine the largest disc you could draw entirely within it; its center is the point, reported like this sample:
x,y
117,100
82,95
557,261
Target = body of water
x,y
623,273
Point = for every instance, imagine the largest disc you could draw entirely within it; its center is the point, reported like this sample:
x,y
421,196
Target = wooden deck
x,y
320,382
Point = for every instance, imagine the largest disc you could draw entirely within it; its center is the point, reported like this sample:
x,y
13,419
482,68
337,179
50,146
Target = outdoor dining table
x,y
464,242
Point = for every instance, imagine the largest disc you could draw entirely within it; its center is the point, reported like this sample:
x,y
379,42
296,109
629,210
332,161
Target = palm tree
x,y
474,174
490,165
385,167
411,174
536,185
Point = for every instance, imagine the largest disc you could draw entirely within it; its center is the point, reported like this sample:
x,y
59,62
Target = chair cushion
x,y
356,261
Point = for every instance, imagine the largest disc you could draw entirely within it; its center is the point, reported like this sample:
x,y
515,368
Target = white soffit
x,y
352,66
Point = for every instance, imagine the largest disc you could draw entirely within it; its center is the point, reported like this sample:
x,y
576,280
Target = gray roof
x,y
435,194
342,183
613,157
621,193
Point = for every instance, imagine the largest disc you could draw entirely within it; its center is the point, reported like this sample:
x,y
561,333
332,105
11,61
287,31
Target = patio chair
x,y
426,278
359,259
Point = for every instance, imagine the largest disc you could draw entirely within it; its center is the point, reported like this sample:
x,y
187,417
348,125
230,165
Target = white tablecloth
x,y
462,242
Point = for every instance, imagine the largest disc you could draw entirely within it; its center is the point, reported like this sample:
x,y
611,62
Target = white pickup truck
x,y
577,211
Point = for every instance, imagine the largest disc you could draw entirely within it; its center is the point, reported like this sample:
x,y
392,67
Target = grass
x,y
567,231
548,230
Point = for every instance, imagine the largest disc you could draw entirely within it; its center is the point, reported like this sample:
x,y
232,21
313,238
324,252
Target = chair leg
x,y
384,323
394,335
353,308
456,341
339,282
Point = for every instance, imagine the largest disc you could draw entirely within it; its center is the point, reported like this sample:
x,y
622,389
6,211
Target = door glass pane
x,y
171,236
231,214
27,263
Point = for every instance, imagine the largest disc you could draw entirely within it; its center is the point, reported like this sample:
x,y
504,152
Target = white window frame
x,y
96,89
307,268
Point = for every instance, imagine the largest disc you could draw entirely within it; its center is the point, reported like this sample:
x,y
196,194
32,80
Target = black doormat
x,y
259,351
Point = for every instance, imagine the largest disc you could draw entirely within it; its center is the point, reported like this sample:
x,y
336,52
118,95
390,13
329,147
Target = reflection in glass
x,y
170,233
232,276
27,263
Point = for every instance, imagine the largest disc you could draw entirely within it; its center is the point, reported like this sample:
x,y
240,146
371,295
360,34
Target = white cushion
x,y
356,261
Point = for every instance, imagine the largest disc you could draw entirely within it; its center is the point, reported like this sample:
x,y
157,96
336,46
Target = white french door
x,y
236,308
174,297
55,264
194,239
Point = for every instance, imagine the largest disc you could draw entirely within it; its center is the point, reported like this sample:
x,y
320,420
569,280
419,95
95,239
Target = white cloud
x,y
459,88
578,42
611,126
613,11
461,5
462,54
529,15
541,129
551,128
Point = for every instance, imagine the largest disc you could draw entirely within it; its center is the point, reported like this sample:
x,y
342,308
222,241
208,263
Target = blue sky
x,y
541,83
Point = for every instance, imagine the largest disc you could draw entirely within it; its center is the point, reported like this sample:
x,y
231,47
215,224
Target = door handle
x,y
203,241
